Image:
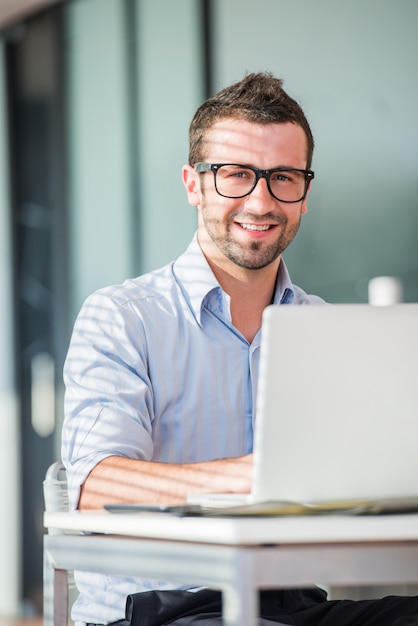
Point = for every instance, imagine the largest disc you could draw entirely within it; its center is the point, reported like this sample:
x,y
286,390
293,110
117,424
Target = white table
x,y
236,555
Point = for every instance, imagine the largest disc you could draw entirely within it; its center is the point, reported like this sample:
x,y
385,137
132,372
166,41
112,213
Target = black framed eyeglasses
x,y
232,180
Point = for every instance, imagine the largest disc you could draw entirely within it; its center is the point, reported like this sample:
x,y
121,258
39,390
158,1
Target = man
x,y
162,371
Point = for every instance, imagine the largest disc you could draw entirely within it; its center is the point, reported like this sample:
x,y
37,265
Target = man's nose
x,y
260,199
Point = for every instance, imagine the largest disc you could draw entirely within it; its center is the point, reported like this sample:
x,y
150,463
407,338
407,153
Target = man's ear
x,y
191,182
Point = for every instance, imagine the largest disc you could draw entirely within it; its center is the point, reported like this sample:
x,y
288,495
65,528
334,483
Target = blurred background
x,y
95,101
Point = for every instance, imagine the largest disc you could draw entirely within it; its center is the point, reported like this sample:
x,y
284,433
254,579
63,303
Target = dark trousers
x,y
299,608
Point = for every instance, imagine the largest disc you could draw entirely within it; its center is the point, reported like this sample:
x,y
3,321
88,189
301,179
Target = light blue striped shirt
x,y
156,371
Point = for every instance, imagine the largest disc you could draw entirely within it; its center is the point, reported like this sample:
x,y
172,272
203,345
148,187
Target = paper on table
x,y
342,507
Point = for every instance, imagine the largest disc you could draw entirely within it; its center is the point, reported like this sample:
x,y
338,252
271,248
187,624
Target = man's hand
x,y
121,480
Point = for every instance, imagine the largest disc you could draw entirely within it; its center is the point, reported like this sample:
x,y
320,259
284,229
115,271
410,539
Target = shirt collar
x,y
197,281
195,277
284,292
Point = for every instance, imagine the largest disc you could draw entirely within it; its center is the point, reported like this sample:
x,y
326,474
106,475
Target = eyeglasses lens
x,y
235,181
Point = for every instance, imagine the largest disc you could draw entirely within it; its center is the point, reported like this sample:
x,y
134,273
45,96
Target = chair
x,y
55,489
56,499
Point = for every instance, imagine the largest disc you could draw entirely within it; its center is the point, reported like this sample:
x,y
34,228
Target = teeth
x,y
255,227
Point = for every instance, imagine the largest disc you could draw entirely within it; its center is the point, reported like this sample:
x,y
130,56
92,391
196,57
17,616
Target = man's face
x,y
250,232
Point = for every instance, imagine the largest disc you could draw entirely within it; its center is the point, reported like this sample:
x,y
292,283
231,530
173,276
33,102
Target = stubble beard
x,y
257,255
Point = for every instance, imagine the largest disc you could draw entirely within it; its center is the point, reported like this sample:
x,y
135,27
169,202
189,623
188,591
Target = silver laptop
x,y
337,406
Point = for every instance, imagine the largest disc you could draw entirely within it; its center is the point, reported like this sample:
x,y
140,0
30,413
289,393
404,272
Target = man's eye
x,y
281,177
240,174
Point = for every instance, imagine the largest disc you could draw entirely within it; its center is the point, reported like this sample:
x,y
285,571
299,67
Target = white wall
x,y
9,417
353,66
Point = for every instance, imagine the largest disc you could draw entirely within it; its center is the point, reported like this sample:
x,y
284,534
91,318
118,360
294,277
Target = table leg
x,y
55,600
241,596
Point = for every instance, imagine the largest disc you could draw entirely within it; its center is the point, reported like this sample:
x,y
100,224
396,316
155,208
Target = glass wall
x,y
134,81
9,403
38,210
353,66
96,102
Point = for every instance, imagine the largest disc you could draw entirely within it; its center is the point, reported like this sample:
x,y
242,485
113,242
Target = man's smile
x,y
256,227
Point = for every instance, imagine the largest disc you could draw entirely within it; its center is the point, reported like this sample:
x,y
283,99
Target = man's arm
x,y
121,480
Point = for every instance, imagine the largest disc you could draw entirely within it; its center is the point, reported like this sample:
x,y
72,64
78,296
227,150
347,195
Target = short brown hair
x,y
258,98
